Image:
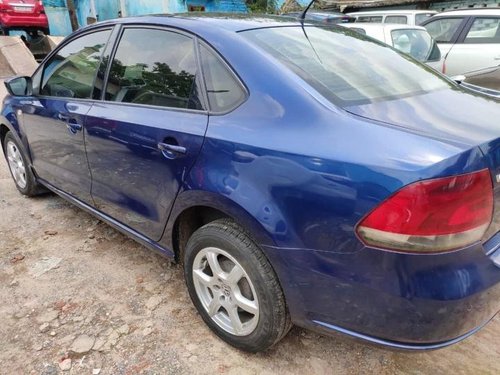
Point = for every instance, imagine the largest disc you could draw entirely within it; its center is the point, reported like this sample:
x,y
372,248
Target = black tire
x,y
32,187
273,321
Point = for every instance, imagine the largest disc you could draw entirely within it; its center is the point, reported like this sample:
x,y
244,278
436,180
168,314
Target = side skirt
x,y
143,240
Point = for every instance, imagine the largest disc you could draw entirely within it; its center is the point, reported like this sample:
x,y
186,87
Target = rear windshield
x,y
344,66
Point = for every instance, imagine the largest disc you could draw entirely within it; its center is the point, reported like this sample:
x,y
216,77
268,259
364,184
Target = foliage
x,y
261,6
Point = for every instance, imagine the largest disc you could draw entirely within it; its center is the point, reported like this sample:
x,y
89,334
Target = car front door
x,y
445,31
53,118
145,135
479,47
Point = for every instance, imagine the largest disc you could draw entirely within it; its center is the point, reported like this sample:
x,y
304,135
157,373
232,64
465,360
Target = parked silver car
x,y
412,40
484,81
401,16
469,40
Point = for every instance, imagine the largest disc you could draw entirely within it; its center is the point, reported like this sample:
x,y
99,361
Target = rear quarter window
x,y
224,91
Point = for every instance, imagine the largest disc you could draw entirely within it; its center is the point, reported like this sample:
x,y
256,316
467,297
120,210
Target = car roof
x,y
199,21
375,26
400,11
471,12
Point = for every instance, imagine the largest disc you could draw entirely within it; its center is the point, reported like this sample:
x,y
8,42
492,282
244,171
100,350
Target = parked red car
x,y
26,15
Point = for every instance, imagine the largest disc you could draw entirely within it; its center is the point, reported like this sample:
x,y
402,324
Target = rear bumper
x,y
329,329
399,300
27,20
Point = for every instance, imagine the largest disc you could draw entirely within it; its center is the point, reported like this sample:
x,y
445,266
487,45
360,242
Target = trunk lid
x,y
451,115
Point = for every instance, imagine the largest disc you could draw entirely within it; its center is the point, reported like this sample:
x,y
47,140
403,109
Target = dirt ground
x,y
77,295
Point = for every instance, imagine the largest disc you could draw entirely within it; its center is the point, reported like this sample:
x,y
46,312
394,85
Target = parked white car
x,y
469,40
413,40
403,16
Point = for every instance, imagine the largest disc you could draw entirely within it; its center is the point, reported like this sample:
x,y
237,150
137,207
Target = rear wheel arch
x,y
187,222
194,209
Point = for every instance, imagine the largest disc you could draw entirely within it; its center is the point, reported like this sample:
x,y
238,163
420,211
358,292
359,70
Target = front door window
x,y
71,72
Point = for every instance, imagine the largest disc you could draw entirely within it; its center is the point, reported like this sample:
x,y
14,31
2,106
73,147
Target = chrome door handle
x,y
170,151
62,117
71,123
73,127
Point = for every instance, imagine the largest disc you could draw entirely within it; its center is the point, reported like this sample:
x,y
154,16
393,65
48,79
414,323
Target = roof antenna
x,y
303,14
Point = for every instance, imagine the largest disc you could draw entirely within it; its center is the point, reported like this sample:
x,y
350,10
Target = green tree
x,y
261,6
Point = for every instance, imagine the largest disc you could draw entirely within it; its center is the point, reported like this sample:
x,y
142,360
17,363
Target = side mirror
x,y
435,54
19,86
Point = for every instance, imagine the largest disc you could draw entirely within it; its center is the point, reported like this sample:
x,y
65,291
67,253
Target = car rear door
x,y
477,48
145,135
54,117
445,31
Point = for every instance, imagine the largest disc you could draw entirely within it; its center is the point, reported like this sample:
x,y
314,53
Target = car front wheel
x,y
234,288
19,169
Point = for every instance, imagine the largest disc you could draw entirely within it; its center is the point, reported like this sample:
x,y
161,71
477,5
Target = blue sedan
x,y
300,174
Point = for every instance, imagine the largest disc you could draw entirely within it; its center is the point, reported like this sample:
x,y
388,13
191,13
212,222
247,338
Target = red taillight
x,y
433,215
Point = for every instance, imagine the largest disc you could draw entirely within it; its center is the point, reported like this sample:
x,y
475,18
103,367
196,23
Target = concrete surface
x,y
15,57
53,41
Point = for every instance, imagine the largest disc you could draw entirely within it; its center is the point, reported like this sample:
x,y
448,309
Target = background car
x,y
488,78
323,17
27,15
484,81
403,16
469,39
412,40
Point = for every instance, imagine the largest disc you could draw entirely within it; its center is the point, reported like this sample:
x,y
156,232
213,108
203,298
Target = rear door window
x,y
484,30
396,19
71,71
154,67
443,30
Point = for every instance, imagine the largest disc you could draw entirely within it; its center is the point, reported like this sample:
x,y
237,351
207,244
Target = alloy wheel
x,y
225,291
16,164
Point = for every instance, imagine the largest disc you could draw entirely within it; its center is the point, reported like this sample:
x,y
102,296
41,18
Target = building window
x,y
196,8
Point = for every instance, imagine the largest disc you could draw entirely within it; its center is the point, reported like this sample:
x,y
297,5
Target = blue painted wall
x,y
57,14
59,21
83,10
140,7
